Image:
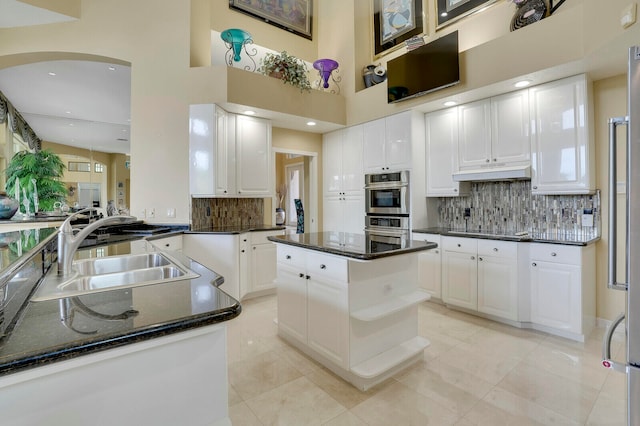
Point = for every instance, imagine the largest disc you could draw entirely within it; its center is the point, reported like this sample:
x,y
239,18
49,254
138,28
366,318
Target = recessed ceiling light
x,y
51,73
71,124
450,103
249,112
67,112
124,130
112,68
311,123
522,83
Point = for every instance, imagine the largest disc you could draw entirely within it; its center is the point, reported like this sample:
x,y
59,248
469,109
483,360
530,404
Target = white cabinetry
x,y
343,180
246,261
481,275
387,143
229,155
494,132
359,319
563,289
172,243
429,265
442,154
562,143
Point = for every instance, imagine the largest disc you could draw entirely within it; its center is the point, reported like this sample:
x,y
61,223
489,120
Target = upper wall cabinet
x,y
229,155
562,152
494,132
441,154
387,143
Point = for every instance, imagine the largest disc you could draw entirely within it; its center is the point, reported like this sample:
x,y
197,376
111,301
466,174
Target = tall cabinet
x,y
343,180
229,154
387,143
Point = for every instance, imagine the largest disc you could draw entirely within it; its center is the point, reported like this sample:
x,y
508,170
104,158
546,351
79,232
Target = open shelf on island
x,y
389,359
391,306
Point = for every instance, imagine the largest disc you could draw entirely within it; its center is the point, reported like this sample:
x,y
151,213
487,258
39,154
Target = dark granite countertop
x,y
234,229
355,246
533,237
38,333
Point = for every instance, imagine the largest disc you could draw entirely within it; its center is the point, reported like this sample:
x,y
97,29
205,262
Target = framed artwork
x,y
449,11
394,22
291,15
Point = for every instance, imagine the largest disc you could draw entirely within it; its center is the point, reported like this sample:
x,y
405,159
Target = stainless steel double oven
x,y
387,209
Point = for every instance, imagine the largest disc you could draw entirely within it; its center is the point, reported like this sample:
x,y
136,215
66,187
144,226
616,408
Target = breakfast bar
x,y
351,304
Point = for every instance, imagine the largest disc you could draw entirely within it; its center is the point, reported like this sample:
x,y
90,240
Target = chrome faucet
x,y
68,242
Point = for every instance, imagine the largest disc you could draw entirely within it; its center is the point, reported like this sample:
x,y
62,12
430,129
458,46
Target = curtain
x,y
17,124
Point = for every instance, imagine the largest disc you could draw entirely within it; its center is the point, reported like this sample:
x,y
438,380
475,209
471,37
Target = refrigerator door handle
x,y
606,347
613,207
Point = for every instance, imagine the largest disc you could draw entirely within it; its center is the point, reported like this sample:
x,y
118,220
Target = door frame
x,y
311,210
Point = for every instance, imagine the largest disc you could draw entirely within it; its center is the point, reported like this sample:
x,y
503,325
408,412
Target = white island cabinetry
x,y
358,318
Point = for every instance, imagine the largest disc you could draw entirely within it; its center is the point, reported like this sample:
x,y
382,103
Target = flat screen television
x,y
425,69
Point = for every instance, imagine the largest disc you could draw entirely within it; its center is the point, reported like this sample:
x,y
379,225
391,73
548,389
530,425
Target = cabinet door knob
x,y
242,251
225,191
495,249
534,264
288,257
254,247
480,259
473,258
455,190
553,254
487,160
459,245
495,159
301,275
535,187
437,251
307,276
167,245
323,266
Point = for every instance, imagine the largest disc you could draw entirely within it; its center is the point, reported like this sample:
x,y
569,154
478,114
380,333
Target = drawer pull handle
x,y
534,264
288,257
323,266
473,258
495,249
553,254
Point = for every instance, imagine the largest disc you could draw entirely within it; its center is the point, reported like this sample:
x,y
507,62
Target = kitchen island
x,y
152,354
350,304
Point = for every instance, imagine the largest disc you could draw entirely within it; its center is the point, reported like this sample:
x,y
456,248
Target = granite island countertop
x,y
235,229
33,334
355,246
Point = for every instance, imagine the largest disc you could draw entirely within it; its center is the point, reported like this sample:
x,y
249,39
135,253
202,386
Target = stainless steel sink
x,y
111,264
112,272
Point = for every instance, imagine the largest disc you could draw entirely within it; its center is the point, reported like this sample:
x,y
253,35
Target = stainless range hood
x,y
494,174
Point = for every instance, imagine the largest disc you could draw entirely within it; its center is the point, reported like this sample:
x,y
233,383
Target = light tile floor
x,y
476,372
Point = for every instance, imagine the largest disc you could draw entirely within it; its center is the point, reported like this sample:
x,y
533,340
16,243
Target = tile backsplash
x,y
507,207
226,212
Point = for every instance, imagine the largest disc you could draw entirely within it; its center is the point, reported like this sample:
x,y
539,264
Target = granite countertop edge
x,y
525,239
354,255
235,229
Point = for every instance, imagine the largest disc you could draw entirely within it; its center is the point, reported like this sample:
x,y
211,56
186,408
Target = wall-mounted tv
x,y
425,69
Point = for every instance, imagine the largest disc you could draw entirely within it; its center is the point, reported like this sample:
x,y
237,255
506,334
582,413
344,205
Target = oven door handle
x,y
390,185
386,233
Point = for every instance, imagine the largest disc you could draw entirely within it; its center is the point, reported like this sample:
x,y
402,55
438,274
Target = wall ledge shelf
x,y
391,306
388,359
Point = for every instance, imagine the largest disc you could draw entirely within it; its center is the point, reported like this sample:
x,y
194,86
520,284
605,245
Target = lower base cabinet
x,y
429,265
358,319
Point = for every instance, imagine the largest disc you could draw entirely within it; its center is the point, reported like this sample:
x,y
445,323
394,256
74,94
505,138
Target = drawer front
x,y
291,256
464,245
320,266
556,253
504,249
260,237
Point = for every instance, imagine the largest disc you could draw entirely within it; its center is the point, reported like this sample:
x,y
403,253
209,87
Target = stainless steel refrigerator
x,y
631,316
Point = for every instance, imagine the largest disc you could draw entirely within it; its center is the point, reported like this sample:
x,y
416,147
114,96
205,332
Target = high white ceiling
x,y
14,13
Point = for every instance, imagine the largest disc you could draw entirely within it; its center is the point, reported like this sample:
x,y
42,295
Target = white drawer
x,y
260,237
465,245
321,266
556,253
432,238
292,256
168,243
504,249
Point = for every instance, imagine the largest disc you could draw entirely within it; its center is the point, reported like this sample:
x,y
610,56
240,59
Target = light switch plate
x,y
587,220
628,15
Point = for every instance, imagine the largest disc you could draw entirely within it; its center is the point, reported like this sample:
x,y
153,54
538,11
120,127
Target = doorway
x,y
297,171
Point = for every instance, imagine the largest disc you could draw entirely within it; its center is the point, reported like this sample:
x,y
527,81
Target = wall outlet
x,y
171,212
151,213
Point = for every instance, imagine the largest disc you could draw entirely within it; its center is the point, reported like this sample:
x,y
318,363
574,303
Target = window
x,y
98,167
79,166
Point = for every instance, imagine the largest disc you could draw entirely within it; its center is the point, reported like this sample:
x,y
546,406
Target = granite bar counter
x,y
574,239
235,229
129,340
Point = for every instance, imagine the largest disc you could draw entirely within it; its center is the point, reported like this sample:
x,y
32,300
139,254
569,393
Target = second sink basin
x,y
111,264
122,279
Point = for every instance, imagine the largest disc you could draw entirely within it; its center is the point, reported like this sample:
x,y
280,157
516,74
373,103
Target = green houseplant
x,y
43,166
289,69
